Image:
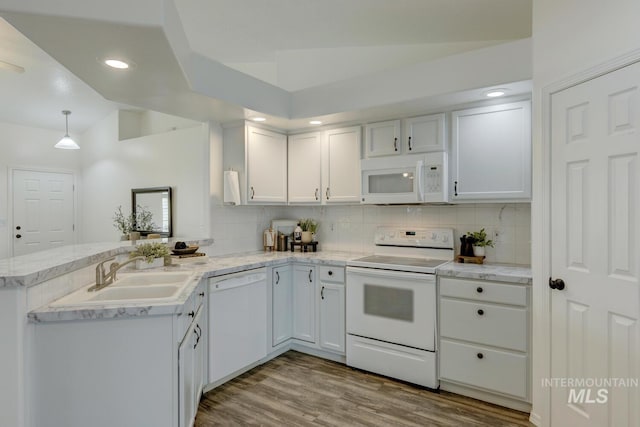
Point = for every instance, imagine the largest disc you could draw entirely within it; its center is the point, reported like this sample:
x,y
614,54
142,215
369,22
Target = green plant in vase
x,y
480,241
309,228
150,251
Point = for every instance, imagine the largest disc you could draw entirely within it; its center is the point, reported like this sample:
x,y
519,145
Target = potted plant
x,y
123,222
480,242
153,253
309,228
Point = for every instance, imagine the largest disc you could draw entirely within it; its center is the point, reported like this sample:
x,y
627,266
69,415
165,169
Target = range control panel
x,y
415,237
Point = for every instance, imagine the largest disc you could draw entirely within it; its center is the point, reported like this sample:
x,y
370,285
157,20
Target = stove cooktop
x,y
398,263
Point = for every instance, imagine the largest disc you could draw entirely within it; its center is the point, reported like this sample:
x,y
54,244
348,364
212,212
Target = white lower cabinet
x,y
485,340
281,304
304,303
124,371
332,309
190,371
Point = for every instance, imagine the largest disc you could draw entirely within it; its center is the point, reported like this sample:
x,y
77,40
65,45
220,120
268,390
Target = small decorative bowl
x,y
186,251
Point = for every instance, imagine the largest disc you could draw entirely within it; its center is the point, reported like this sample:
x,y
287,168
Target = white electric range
x,y
391,304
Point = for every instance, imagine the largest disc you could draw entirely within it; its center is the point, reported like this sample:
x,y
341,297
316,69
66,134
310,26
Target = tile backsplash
x,y
239,229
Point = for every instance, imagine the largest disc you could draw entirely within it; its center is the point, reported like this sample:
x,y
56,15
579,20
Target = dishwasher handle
x,y
237,282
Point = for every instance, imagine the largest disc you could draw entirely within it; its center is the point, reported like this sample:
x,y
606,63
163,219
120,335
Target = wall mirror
x,y
156,201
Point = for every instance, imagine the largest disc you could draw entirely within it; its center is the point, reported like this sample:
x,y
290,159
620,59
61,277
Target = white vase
x,y
142,264
478,250
306,237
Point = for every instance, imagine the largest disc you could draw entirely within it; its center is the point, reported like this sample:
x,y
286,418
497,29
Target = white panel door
x,y
305,170
43,212
343,165
595,232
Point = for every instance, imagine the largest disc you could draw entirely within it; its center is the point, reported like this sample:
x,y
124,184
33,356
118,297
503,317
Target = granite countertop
x,y
203,269
69,259
29,270
496,272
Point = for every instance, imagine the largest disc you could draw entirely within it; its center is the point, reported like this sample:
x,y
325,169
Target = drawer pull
x,y
481,312
330,273
480,355
479,289
201,294
192,313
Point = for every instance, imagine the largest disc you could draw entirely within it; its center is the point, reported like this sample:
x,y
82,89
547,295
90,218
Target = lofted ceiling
x,y
289,60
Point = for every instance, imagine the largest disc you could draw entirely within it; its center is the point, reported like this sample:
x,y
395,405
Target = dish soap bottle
x,y
297,234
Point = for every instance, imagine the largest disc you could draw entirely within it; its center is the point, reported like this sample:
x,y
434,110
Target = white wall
x,y
569,36
22,146
111,168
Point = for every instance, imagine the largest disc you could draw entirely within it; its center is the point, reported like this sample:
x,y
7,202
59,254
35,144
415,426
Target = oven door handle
x,y
374,272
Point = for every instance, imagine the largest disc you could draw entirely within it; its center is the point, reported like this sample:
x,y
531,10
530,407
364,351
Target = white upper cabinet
x,y
260,157
266,159
341,177
424,134
491,153
382,139
305,168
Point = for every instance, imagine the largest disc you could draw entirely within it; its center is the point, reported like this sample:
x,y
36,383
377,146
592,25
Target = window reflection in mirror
x,y
157,201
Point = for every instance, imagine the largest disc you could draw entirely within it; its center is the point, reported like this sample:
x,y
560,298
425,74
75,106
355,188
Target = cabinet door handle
x,y
410,148
481,312
395,144
316,193
310,280
201,294
326,193
253,193
18,236
192,313
197,339
480,355
479,289
330,273
455,188
199,330
277,277
322,293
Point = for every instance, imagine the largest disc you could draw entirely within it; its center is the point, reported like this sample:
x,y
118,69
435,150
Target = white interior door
x,y
43,213
595,188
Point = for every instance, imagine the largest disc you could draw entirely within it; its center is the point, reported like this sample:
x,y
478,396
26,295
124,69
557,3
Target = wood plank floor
x,y
301,390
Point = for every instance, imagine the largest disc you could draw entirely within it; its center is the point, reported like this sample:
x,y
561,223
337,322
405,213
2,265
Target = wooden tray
x,y
470,259
186,251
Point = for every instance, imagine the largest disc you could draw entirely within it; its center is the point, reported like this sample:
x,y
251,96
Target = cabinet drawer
x,y
332,274
481,290
496,370
484,323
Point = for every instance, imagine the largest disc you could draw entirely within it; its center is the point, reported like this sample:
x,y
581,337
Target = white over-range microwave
x,y
405,179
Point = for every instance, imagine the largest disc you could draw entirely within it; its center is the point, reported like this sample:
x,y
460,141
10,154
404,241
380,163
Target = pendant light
x,y
66,143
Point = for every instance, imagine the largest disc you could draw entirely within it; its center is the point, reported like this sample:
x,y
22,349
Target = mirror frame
x,y
136,191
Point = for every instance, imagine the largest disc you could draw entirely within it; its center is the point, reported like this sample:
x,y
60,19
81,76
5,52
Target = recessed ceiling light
x,y
315,122
259,119
116,63
494,93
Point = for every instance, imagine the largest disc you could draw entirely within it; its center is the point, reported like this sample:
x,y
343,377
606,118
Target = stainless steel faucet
x,y
105,279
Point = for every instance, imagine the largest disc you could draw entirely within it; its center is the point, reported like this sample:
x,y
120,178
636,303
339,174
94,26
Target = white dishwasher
x,y
237,322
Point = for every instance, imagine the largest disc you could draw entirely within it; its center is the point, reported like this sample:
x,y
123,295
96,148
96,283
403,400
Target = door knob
x,y
556,284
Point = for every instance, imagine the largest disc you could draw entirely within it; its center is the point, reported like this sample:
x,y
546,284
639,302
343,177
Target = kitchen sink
x,y
135,293
131,288
143,279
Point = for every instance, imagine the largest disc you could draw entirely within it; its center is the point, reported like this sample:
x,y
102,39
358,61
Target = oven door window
x,y
390,303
